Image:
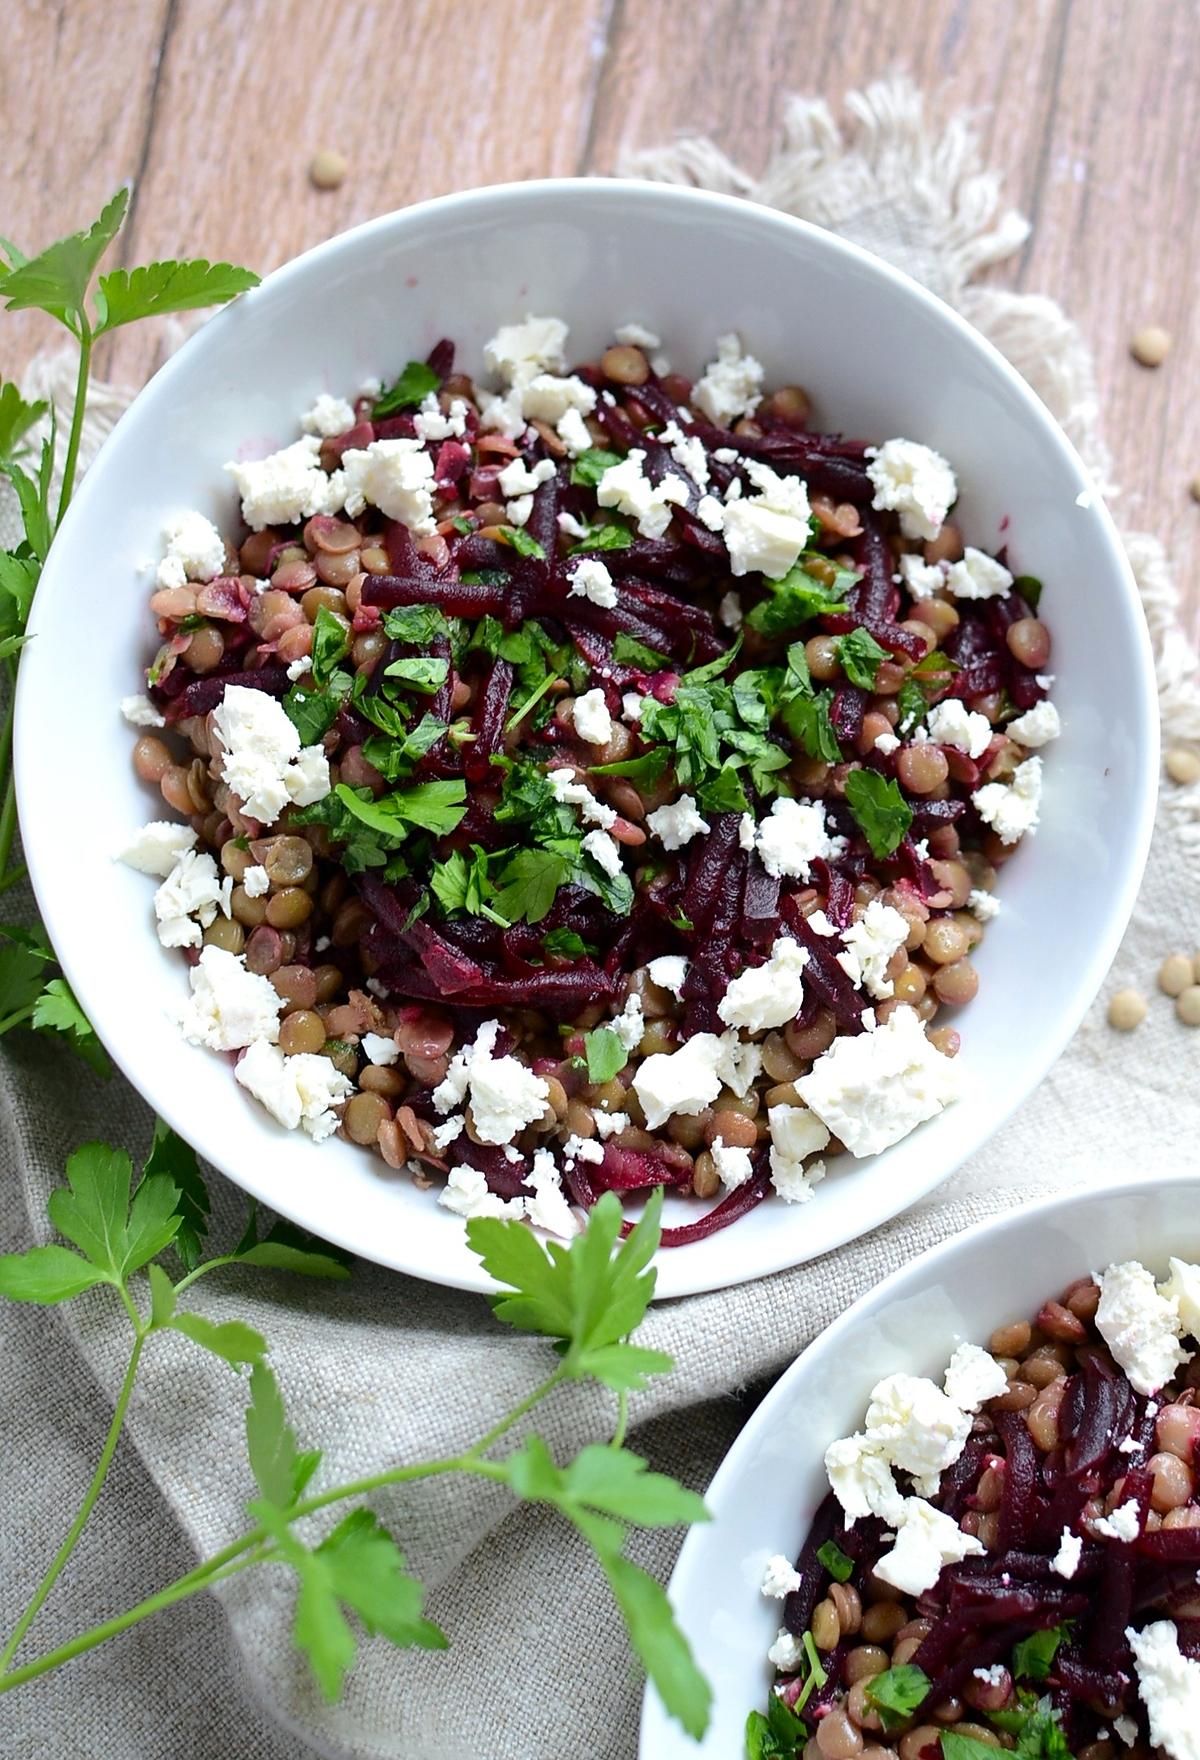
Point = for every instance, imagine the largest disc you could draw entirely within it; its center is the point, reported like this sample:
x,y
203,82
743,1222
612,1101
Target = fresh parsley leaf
x,y
628,651
1028,585
281,1256
18,579
313,712
56,281
882,813
897,1692
644,771
16,418
128,294
615,891
56,1011
606,1056
530,701
33,498
330,643
662,1648
116,1233
462,525
280,1469
418,624
434,806
486,577
523,542
590,466
529,883
797,598
861,656
464,884
1033,1656
913,706
725,793
23,960
46,1275
840,1568
567,944
779,1735
960,1747
610,536
170,1155
807,720
233,1341
420,672
412,387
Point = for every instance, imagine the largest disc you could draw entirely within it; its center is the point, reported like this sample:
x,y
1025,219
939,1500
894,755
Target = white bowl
x,y
770,1483
880,356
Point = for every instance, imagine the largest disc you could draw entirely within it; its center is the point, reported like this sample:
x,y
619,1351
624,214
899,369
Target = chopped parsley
x,y
591,465
610,536
1033,1656
567,944
606,1056
777,1735
523,542
897,1692
628,651
801,596
313,712
418,624
412,387
840,1568
1030,589
881,811
419,672
434,806
860,657
330,644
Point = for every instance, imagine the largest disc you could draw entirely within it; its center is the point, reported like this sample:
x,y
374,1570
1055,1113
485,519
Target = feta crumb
x,y
914,482
578,794
264,764
951,723
991,1677
1140,1325
1123,1525
1011,809
869,946
731,386
572,430
139,711
873,1089
978,576
505,1094
448,1132
1131,1445
578,1148
1070,1551
677,823
973,1376
730,612
610,1124
548,1208
328,416
631,707
157,847
926,1541
629,1025
466,1194
887,743
746,831
256,882
862,1481
195,551
711,513
922,579
793,836
189,898
547,397
590,579
301,1091
636,335
433,423
1037,727
1169,1688
1183,1288
518,350
919,1428
517,479
687,451
787,1652
796,1133
626,487
229,1007
604,851
779,1578
298,667
732,1163
683,1081
1127,1729
380,1050
982,905
396,476
819,923
288,487
770,994
593,722
668,971
767,532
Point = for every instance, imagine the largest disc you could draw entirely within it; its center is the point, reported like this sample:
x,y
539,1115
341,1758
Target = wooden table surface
x,y
215,107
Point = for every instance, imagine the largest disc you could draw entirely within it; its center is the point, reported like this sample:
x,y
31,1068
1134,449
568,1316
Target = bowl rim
x,y
896,1286
617,194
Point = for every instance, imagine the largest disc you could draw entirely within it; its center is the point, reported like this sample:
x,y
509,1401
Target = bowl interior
x,y
770,1483
879,356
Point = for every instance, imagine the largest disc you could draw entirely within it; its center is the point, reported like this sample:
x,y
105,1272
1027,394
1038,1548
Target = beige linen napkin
x,y
385,1369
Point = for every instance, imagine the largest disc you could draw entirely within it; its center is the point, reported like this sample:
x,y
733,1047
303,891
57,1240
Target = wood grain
x,y
216,106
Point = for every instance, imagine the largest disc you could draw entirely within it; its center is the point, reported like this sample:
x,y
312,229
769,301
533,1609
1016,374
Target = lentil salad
x,y
596,783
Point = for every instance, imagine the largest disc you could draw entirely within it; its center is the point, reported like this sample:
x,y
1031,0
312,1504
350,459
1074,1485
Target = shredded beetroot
x,y
739,1202
204,694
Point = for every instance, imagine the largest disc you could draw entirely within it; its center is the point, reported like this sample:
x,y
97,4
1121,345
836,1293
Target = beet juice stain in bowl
x,y
594,782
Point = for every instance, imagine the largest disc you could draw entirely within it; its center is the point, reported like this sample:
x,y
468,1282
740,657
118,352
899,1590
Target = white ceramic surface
x,y
768,1487
880,357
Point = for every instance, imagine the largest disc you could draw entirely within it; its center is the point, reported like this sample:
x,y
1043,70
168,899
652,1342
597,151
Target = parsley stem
x,y
618,1440
13,877
77,414
73,1532
527,1404
529,703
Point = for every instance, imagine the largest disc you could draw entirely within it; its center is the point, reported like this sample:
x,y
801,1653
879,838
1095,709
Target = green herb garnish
x,y
591,465
412,387
523,542
330,644
860,657
840,1568
897,1692
882,813
606,1056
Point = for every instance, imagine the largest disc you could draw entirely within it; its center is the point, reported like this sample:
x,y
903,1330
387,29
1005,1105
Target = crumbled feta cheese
x,y
862,1481
1127,1729
668,971
926,1541
746,831
629,1025
1011,809
677,823
571,527
819,923
604,851
1183,1288
739,1066
1037,727
869,946
328,416
298,667
732,1163
919,1428
523,350
157,847
1169,1688
631,707
982,905
572,430
466,1194
433,423
195,551
505,1094
548,1208
578,1148
548,398
767,995
688,453
767,532
922,579
731,386
683,1081
787,1652
300,1091
1070,1551
590,579
189,898
795,1134
256,882
577,794
229,1007
626,487
610,1124
396,476
951,723
517,479
449,1132
915,482
1140,1325
887,743
380,1049
1123,1525
978,576
711,513
730,612
972,1377
637,336
287,487
991,1677
793,836
873,1089
592,719
264,764
139,711
779,1578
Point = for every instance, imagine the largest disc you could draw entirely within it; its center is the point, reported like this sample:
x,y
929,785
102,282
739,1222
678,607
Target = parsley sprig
x,y
62,281
144,1242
